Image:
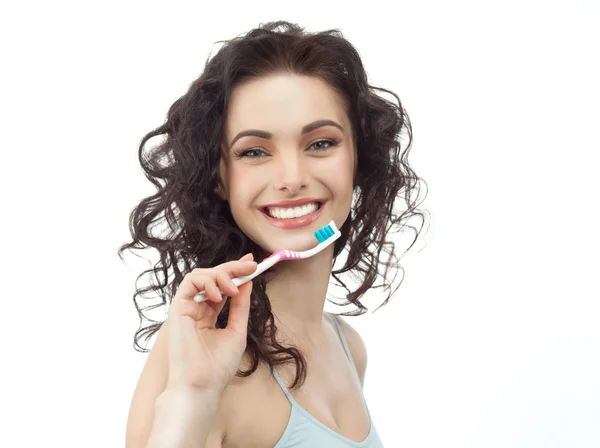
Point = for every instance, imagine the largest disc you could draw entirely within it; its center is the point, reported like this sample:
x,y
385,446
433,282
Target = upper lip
x,y
295,203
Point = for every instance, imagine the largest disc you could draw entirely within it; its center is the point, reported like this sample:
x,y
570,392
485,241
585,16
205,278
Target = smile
x,y
313,211
295,212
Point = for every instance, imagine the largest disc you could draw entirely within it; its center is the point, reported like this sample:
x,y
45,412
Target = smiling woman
x,y
278,159
279,136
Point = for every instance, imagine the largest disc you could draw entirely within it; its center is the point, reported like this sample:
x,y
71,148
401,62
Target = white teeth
x,y
288,213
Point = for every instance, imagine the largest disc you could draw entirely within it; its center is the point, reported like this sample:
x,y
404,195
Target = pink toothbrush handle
x,y
267,263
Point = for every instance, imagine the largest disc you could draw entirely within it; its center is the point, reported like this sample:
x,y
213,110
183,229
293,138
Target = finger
x,y
193,283
239,309
204,314
239,268
197,311
213,291
231,266
224,282
247,257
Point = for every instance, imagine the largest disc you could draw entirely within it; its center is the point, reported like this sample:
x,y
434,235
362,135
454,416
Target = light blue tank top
x,y
305,431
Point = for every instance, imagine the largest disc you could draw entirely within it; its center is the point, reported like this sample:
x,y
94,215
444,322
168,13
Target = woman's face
x,y
285,163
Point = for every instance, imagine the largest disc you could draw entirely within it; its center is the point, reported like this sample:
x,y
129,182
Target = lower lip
x,y
295,223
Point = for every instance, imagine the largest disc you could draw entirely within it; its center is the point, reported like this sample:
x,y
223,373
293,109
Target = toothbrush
x,y
325,236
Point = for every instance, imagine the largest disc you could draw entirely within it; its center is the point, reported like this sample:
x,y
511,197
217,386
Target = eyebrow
x,y
305,130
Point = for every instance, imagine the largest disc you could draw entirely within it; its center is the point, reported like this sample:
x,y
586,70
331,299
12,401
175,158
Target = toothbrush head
x,y
325,236
325,232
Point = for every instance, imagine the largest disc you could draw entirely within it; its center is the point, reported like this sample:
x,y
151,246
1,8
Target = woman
x,y
280,135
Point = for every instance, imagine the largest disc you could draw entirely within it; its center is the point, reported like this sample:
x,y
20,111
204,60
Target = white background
x,y
493,338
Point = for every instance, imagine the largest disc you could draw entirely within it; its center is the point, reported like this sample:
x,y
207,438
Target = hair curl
x,y
201,231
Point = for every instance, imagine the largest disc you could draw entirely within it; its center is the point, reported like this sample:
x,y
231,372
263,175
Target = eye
x,y
331,143
252,152
241,154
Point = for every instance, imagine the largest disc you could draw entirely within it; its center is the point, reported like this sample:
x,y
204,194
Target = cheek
x,y
242,187
339,172
241,176
340,179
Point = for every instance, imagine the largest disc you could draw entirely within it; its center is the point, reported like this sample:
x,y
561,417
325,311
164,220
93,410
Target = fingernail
x,y
232,285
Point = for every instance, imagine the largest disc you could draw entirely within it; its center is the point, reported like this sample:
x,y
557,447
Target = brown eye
x,y
248,153
320,148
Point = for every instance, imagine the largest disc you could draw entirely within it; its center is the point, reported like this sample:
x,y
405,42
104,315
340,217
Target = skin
x,y
287,167
292,168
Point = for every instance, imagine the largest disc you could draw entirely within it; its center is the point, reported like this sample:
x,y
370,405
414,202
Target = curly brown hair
x,y
201,231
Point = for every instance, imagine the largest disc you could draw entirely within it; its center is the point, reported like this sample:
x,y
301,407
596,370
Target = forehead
x,y
282,103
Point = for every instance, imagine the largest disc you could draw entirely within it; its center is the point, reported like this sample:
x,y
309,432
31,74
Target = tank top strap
x,y
345,343
346,349
280,381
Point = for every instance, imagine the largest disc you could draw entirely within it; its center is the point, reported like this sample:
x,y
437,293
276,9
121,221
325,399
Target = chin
x,y
297,243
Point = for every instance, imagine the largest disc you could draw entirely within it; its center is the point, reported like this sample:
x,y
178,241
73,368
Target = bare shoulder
x,y
357,347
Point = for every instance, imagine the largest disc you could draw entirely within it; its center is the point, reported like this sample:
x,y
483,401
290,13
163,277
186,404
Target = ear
x,y
219,192
220,189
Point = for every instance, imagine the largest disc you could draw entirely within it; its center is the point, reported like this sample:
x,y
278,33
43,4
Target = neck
x,y
297,293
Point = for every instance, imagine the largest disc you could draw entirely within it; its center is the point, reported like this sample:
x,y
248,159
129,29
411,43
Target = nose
x,y
291,173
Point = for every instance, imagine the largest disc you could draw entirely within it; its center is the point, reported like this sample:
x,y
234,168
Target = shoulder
x,y
357,347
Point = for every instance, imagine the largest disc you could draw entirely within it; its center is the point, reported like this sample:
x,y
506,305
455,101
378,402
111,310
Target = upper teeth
x,y
295,212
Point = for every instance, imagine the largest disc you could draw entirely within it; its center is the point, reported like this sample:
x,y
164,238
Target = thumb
x,y
239,309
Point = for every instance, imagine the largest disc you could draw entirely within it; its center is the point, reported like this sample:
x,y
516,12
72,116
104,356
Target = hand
x,y
201,356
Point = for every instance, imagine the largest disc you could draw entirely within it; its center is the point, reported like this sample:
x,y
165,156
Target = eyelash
x,y
243,153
